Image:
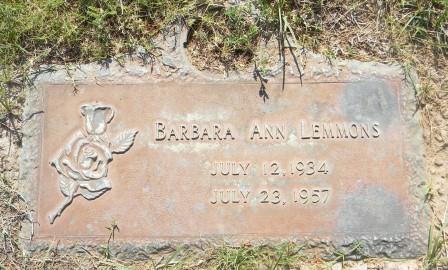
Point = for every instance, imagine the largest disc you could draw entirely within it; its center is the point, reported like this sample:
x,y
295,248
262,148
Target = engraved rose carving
x,y
83,164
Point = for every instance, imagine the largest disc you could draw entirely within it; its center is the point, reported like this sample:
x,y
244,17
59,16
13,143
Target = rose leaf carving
x,y
90,195
68,186
124,141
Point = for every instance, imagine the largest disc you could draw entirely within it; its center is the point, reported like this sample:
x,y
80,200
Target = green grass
x,y
236,258
33,32
226,33
284,256
37,31
426,22
79,31
434,251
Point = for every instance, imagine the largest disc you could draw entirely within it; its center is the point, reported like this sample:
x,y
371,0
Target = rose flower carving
x,y
83,164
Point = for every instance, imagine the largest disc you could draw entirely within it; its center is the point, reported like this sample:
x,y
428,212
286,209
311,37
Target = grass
x,y
229,34
354,251
237,258
434,252
112,228
222,38
12,211
283,256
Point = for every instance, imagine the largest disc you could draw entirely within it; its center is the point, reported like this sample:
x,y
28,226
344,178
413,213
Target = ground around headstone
x,y
330,161
85,120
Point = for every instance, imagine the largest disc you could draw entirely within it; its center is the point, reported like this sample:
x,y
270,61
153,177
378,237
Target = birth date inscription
x,y
270,168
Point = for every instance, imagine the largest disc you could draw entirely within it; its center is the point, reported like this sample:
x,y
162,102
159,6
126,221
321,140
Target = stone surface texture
x,y
163,193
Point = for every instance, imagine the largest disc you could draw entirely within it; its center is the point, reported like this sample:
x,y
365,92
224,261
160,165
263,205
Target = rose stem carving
x,y
83,164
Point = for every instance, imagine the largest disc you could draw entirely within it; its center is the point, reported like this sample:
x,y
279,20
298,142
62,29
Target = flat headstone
x,y
327,162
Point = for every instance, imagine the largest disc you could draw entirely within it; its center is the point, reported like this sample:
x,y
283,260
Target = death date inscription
x,y
300,196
